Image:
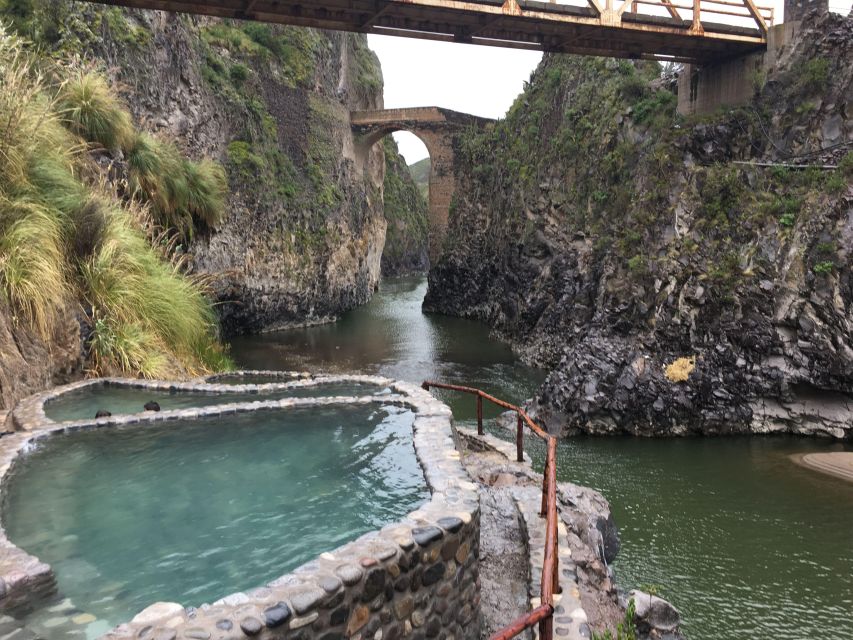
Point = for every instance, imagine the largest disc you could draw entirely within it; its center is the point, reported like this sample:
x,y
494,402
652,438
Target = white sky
x,y
475,79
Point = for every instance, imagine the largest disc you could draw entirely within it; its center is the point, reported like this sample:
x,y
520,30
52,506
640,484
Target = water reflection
x,y
392,337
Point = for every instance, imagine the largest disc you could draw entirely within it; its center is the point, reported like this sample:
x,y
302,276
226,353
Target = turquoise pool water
x,y
83,404
194,511
746,544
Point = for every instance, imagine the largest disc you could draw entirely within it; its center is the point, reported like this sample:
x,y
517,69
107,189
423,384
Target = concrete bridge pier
x,y
439,130
704,89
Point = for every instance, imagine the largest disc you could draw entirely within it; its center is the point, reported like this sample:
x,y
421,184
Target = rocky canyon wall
x,y
674,275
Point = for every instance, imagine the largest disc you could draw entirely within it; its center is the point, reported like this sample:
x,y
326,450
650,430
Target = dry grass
x,y
680,369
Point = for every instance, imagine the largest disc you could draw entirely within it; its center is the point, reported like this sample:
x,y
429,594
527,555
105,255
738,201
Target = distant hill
x,y
420,174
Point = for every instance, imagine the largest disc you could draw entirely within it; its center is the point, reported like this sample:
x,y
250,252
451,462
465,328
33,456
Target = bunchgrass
x,y
207,189
65,235
91,109
182,194
32,264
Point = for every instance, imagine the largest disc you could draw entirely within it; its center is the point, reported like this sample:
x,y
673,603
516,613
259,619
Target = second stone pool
x,y
123,398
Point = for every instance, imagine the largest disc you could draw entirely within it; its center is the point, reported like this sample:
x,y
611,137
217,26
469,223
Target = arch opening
x,y
405,251
440,183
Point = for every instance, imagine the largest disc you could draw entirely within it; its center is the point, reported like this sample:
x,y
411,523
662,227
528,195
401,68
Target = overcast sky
x,y
474,79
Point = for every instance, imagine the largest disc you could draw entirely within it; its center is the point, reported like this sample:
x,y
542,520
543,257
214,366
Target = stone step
x,y
570,620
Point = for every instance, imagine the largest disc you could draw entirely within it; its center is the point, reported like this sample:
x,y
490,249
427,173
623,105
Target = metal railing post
x,y
519,440
554,524
543,615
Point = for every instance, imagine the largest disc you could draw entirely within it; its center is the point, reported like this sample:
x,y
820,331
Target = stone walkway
x,y
836,463
512,543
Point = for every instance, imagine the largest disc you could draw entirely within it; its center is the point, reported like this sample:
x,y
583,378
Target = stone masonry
x,y
418,578
438,129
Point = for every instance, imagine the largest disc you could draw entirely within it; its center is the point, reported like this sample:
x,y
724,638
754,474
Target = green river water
x,y
746,544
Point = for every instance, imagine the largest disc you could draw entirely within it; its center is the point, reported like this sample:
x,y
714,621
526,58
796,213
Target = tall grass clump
x,y
206,191
66,236
93,111
138,298
32,264
183,194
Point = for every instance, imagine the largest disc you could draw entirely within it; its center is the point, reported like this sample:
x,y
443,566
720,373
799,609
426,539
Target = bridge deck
x,y
631,29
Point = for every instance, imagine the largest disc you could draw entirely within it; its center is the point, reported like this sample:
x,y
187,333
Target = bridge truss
x,y
695,31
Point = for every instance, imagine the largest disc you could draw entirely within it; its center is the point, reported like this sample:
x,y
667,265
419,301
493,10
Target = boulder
x,y
654,616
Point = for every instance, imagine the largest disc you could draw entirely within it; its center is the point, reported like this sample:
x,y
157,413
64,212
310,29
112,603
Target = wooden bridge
x,y
700,31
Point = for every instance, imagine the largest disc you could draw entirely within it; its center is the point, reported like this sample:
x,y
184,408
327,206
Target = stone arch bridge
x,y
439,130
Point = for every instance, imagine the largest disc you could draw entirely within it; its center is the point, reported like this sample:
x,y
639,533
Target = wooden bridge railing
x,y
543,615
761,15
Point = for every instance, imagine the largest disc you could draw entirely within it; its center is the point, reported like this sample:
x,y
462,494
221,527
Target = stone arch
x,y
437,129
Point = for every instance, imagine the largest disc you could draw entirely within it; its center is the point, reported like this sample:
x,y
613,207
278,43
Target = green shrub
x,y
658,109
92,111
826,248
812,76
241,156
845,167
239,73
824,267
836,182
637,264
787,220
632,87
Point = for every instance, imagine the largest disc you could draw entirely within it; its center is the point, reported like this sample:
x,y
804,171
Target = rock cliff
x,y
675,275
304,232
28,363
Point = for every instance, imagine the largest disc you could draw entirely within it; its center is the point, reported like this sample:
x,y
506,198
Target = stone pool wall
x,y
417,578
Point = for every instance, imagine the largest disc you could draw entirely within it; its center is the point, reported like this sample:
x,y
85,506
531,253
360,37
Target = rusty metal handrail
x,y
542,615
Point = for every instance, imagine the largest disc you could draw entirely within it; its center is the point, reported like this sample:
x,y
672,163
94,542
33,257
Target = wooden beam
x,y
756,15
381,7
548,27
596,5
673,12
697,17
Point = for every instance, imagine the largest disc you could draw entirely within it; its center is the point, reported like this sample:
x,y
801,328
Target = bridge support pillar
x,y
705,89
442,186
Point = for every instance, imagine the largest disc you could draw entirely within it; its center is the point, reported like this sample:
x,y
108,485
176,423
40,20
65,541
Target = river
x,y
742,541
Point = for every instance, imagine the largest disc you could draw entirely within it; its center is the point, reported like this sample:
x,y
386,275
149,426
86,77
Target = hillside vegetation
x,y
79,228
406,248
420,174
